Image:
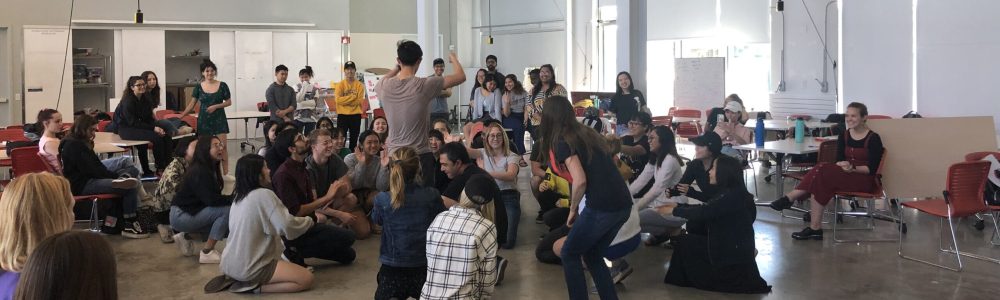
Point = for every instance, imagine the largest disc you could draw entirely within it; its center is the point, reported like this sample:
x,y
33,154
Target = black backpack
x,y
992,191
912,115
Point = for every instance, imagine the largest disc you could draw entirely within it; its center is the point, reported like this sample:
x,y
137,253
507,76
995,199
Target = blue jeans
x,y
588,240
121,166
213,220
512,202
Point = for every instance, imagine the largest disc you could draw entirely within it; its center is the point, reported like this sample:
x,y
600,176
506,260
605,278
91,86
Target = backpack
x,y
912,115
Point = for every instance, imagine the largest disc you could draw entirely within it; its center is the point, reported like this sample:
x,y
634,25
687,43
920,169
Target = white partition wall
x,y
254,72
324,54
142,50
45,51
290,50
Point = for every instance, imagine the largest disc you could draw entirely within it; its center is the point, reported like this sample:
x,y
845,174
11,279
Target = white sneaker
x,y
125,183
166,234
186,245
212,257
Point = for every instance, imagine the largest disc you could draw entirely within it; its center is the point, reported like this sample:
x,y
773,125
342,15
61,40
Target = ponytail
x,y
403,168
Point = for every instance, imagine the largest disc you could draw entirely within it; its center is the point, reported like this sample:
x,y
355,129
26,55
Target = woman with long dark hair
x,y
514,100
168,185
252,260
581,155
718,253
539,93
627,102
199,206
380,125
663,172
50,125
212,97
152,98
70,265
480,82
137,123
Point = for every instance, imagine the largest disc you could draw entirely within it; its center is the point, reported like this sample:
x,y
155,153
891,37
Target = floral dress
x,y
211,123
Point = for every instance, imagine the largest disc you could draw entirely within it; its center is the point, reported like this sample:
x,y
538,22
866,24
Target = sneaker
x,y
218,284
501,268
212,257
540,219
133,230
622,271
186,245
166,234
782,203
808,234
125,183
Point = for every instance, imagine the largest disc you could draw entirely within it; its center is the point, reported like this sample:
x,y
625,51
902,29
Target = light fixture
x,y
489,21
138,12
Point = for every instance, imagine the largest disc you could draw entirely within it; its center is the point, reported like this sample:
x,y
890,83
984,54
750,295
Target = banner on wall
x,y
373,103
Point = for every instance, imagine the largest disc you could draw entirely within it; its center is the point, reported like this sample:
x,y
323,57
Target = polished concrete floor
x,y
148,269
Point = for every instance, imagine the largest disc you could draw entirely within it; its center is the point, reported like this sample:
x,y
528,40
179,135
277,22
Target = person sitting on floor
x,y
718,253
168,185
32,207
405,213
251,261
664,171
328,174
88,175
292,185
461,253
707,148
199,205
368,169
859,154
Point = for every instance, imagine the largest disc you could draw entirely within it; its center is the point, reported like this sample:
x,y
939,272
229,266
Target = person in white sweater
x,y
665,170
251,261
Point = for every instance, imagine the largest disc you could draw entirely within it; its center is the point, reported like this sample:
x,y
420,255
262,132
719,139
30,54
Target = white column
x,y
427,34
632,40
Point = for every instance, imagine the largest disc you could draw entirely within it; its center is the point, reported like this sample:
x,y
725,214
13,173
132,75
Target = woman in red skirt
x,y
859,152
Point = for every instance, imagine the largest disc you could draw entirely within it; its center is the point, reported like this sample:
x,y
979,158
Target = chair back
x,y
102,125
25,160
162,114
48,167
828,152
687,113
688,130
662,120
879,117
378,112
12,135
579,111
964,189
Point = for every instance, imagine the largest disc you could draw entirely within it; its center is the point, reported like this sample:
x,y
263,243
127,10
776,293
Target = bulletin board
x,y
919,151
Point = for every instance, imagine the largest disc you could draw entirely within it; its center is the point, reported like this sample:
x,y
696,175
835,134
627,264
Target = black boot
x,y
782,203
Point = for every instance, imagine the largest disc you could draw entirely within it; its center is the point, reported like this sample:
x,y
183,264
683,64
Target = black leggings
x,y
351,126
400,282
327,242
161,146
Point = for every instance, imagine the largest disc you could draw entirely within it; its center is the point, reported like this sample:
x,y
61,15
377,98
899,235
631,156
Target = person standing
x,y
627,102
307,107
539,93
406,98
350,93
514,100
439,106
491,69
462,247
581,153
213,97
281,97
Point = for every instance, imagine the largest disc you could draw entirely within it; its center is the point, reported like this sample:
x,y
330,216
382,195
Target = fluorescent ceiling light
x,y
190,23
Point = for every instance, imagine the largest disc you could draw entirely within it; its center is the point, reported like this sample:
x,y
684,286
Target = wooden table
x,y
246,116
780,148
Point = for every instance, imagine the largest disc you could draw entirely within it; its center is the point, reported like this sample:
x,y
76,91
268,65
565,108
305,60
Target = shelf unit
x,y
105,87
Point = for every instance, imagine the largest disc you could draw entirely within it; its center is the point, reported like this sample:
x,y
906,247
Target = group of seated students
x,y
440,234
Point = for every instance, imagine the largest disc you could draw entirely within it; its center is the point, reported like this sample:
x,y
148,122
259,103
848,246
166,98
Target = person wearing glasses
x,y
635,144
501,163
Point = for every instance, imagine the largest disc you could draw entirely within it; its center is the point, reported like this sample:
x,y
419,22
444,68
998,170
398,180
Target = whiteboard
x,y
324,56
254,71
143,50
699,83
290,50
45,50
222,52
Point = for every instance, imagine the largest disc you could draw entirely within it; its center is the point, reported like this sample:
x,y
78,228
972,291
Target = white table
x,y
784,125
246,116
685,119
780,148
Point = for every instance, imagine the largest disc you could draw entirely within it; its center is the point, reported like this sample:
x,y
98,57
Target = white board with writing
x,y
699,83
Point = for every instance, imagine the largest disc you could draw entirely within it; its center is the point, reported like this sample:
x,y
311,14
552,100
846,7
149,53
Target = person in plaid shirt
x,y
462,247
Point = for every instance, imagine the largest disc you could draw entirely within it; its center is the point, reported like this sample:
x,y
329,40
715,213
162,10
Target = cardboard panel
x,y
919,151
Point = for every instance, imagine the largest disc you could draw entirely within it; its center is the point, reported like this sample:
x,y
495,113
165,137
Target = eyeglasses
x,y
139,85
494,136
634,123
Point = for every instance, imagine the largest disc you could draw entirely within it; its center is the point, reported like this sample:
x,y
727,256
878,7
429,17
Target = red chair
x,y
579,111
827,154
94,221
994,209
16,127
869,207
378,112
687,113
102,125
963,197
163,114
12,135
878,117
662,120
688,130
26,160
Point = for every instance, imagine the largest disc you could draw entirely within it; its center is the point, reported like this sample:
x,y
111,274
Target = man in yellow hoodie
x,y
349,94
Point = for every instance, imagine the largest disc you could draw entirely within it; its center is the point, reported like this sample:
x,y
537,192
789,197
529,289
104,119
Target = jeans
x,y
168,126
161,146
325,241
588,239
351,126
654,223
306,127
212,219
130,197
121,166
515,122
512,202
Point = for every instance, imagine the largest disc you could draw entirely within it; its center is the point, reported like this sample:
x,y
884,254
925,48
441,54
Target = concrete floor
x,y
148,269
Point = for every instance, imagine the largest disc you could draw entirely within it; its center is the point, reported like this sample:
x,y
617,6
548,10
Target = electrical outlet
x,y
3,100
17,97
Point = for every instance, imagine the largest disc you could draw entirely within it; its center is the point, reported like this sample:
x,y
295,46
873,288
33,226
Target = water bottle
x,y
758,133
800,130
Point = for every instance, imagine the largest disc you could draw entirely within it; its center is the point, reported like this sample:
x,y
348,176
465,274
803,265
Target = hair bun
x,y
309,68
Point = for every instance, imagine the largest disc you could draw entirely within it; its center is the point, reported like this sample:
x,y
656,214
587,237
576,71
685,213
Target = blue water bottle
x,y
759,134
800,130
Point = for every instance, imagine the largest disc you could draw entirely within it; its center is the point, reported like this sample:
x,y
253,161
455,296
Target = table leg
x,y
246,136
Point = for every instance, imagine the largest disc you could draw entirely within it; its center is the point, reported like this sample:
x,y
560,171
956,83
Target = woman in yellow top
x,y
350,92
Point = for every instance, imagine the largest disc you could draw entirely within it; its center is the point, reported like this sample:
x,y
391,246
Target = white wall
x,y
518,47
877,58
804,54
957,68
